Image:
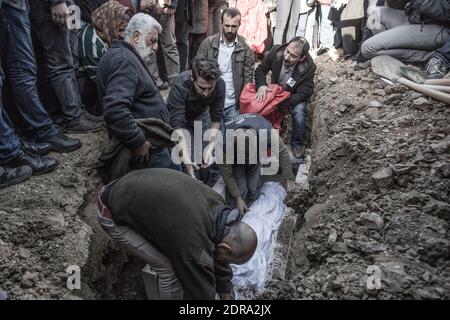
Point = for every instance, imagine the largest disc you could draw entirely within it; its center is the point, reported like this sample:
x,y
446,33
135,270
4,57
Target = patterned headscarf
x,y
110,19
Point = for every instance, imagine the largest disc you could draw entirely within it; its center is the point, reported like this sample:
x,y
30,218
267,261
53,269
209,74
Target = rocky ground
x,y
41,231
380,193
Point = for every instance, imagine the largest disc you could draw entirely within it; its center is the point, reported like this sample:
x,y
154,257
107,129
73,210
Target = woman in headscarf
x,y
108,23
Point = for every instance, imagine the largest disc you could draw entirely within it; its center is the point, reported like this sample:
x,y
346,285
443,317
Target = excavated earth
x,y
379,200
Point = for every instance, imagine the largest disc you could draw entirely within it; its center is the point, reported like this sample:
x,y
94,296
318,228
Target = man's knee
x,y
299,109
368,50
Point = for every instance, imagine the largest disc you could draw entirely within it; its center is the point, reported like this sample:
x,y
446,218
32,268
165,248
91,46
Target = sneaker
x,y
39,148
62,143
11,176
299,151
84,126
37,163
436,67
93,118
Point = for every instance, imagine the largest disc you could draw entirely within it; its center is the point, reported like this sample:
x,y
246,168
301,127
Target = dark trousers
x,y
20,67
54,42
248,180
194,41
182,38
445,50
9,143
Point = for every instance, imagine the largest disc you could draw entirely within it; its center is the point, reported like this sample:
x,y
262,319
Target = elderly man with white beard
x,y
127,92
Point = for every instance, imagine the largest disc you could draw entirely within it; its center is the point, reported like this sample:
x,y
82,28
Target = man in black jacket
x,y
197,97
181,228
292,68
127,91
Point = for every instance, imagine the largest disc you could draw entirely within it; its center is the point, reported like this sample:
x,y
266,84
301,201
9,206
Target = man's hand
x,y
208,157
289,185
241,205
225,296
262,92
142,153
60,14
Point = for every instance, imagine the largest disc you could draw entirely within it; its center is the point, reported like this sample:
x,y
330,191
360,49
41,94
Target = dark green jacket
x,y
114,161
178,215
243,61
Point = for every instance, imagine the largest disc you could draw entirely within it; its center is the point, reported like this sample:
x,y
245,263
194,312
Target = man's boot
x,y
436,67
36,147
11,176
62,143
38,164
83,125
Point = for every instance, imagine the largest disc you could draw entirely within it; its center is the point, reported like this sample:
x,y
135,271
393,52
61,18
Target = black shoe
x,y
11,176
62,143
92,118
36,147
84,126
37,163
436,67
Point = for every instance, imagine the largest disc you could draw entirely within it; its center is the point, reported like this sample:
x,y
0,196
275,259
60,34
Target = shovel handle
x,y
438,82
438,95
440,88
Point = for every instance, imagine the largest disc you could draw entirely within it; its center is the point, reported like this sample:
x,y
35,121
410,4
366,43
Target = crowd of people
x,y
72,67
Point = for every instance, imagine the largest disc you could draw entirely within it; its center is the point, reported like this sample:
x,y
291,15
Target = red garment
x,y
253,23
267,108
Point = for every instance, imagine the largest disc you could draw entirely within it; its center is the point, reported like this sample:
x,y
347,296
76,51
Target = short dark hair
x,y
205,68
301,43
232,12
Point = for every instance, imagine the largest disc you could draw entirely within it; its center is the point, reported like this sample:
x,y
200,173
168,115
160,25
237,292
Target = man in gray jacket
x,y
235,58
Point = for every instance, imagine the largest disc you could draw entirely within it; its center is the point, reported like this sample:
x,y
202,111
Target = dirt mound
x,y
41,233
379,204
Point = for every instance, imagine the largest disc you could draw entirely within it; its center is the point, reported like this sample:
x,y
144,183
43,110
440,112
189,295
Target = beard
x,y
144,51
230,36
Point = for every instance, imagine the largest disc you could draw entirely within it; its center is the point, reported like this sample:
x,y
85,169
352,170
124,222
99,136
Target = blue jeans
x,y
54,42
9,143
229,113
298,124
21,72
445,50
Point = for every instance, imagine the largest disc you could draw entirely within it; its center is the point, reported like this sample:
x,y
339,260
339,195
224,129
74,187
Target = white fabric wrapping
x,y
264,216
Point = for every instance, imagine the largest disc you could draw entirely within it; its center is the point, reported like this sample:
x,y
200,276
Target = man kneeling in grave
x,y
247,139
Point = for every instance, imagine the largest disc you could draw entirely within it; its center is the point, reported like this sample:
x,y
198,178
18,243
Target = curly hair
x,y
205,68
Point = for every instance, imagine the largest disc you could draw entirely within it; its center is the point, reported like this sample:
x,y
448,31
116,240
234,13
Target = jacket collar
x,y
239,42
126,45
299,69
